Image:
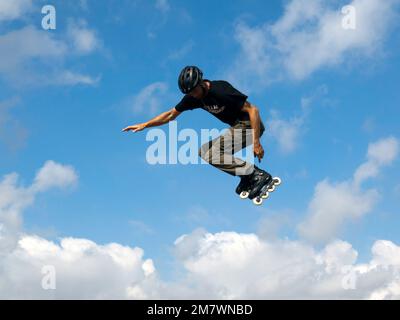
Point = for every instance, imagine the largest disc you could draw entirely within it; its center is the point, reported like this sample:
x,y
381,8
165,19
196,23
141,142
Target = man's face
x,y
197,92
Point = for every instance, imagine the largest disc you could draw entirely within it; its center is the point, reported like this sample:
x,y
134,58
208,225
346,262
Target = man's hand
x,y
135,128
258,150
255,122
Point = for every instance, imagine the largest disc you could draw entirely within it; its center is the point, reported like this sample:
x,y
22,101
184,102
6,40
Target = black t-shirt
x,y
222,100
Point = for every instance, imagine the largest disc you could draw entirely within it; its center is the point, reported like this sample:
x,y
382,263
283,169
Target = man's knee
x,y
204,152
211,155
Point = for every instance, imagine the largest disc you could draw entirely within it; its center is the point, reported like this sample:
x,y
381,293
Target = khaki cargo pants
x,y
220,151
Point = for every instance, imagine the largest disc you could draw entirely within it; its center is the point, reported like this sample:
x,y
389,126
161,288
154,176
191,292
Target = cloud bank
x,y
83,268
308,37
222,265
333,204
33,56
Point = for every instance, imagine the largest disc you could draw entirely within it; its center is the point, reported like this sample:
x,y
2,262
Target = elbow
x,y
170,116
254,110
251,109
173,114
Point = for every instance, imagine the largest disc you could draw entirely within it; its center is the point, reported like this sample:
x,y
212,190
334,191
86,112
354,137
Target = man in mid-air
x,y
230,106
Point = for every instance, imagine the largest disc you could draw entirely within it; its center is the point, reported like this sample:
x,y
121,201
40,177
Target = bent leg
x,y
219,152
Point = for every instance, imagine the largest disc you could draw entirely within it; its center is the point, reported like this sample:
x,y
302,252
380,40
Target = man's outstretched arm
x,y
255,122
161,119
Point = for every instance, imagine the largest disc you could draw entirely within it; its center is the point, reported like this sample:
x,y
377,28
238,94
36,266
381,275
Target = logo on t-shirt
x,y
215,108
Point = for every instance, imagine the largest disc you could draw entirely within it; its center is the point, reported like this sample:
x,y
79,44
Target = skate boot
x,y
244,186
262,184
259,179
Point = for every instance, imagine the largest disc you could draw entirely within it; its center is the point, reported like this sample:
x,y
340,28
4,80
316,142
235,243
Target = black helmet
x,y
189,78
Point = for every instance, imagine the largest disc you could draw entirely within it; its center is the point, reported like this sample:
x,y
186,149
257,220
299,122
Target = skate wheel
x,y
265,195
244,195
277,181
271,188
258,201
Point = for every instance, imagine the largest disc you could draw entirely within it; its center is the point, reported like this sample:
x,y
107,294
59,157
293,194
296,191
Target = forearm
x,y
255,122
160,120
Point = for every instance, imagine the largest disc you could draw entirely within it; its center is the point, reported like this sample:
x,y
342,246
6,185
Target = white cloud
x,y
287,132
27,50
224,265
10,10
185,245
251,69
386,254
229,265
14,199
379,154
337,255
335,203
83,39
53,175
332,205
150,99
71,78
83,268
309,36
20,47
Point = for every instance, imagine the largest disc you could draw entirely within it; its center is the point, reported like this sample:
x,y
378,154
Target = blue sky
x,y
65,95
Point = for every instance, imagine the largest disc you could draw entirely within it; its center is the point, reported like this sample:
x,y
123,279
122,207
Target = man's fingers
x,y
134,129
261,155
